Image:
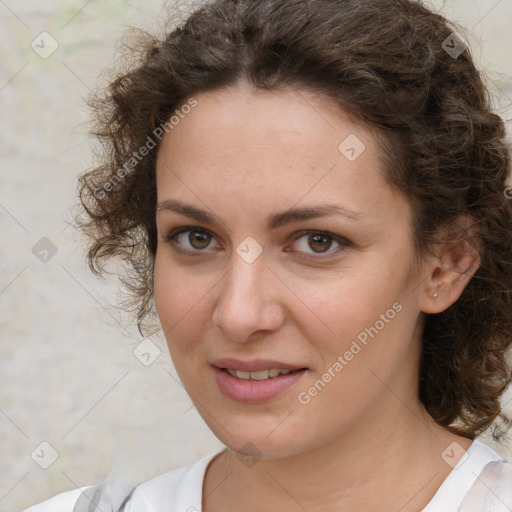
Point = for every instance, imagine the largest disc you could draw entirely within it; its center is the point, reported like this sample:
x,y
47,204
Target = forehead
x,y
280,108
254,117
262,147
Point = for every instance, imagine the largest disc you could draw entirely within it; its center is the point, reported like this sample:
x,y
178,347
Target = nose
x,y
249,301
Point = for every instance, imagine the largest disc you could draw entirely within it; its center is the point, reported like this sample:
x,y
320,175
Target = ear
x,y
453,262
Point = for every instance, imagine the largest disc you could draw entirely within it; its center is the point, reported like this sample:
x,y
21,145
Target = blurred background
x,y
82,394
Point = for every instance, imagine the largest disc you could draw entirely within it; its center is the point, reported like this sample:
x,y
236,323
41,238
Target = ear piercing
x,y
435,294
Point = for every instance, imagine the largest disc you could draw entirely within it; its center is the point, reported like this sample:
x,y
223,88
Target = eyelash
x,y
343,243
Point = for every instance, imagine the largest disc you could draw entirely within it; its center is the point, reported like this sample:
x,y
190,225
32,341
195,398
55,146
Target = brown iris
x,y
198,239
319,242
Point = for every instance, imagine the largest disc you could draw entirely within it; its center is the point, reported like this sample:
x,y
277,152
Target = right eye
x,y
190,239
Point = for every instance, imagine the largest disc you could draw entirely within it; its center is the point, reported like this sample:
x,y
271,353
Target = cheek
x,y
164,293
367,318
182,304
354,302
171,302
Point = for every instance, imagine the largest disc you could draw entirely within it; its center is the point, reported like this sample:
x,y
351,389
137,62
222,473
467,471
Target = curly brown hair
x,y
386,62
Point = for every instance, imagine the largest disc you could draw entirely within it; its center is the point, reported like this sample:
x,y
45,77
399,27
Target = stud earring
x,y
435,294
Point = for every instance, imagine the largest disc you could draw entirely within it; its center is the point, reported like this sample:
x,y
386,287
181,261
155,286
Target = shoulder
x,y
63,502
492,489
177,488
180,489
481,481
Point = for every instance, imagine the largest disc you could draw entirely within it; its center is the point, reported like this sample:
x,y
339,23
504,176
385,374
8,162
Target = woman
x,y
313,196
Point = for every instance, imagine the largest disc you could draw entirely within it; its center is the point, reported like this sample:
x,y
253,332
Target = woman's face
x,y
281,247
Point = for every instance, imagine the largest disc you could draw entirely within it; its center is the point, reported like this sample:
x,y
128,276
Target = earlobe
x,y
449,271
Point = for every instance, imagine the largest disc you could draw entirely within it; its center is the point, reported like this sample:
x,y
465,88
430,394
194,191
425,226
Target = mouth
x,y
260,375
255,381
255,365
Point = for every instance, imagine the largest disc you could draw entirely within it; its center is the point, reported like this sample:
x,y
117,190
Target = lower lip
x,y
250,391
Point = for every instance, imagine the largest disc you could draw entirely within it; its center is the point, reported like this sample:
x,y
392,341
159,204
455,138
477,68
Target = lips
x,y
252,382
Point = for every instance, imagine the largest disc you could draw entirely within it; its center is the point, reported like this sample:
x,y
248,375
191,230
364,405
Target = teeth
x,y
261,375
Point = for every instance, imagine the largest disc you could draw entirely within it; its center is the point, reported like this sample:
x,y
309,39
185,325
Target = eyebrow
x,y
273,221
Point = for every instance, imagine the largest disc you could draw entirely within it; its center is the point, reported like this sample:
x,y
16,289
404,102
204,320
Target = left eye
x,y
316,242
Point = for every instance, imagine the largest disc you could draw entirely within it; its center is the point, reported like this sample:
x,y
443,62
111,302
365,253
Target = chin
x,y
257,437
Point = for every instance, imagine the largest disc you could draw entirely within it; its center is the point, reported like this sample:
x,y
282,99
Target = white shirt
x,y
480,482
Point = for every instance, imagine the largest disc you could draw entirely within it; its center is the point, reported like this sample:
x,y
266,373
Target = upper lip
x,y
254,365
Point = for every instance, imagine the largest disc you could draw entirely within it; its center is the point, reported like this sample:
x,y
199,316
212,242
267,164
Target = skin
x,y
242,155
